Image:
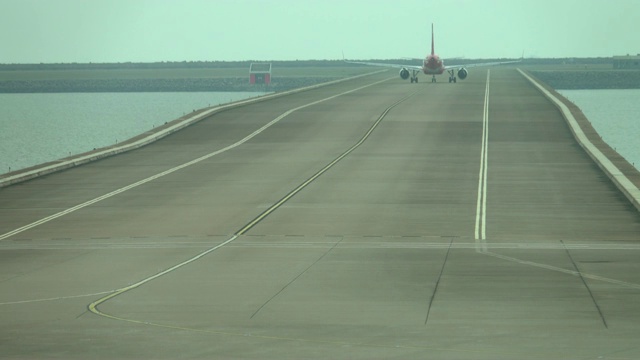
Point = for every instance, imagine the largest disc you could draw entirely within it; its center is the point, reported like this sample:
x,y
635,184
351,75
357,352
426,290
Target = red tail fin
x,y
432,49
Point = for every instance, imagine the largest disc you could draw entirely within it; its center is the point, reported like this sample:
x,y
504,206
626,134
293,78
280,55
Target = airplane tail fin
x,y
432,48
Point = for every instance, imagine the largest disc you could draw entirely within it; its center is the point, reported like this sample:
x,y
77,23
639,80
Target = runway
x,y
365,219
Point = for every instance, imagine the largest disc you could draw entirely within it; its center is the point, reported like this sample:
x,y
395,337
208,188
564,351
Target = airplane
x,y
433,65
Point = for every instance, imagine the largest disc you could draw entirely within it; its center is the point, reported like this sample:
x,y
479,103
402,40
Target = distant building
x,y
626,62
260,73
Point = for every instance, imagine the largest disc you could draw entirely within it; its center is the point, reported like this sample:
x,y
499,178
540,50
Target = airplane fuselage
x,y
433,65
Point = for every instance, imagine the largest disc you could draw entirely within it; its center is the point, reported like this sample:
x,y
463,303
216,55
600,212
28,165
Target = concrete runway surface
x,y
376,219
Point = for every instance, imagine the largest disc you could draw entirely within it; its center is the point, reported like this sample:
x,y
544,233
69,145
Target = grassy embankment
x,y
123,79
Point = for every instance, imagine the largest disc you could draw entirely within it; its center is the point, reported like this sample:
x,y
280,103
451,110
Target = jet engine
x,y
462,73
404,74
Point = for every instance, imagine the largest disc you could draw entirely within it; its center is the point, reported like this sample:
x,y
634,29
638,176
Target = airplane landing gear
x,y
414,76
433,79
452,76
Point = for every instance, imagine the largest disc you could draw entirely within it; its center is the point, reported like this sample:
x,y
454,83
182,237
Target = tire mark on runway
x,y
435,288
295,278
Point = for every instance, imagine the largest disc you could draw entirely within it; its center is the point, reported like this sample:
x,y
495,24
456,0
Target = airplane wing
x,y
395,66
447,67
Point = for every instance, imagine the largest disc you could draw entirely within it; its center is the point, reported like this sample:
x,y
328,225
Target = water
x,y
38,128
615,114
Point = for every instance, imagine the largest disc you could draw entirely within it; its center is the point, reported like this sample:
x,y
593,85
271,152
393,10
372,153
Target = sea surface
x,y
615,114
38,128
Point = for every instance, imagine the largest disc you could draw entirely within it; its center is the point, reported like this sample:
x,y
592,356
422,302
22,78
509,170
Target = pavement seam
x,y
584,282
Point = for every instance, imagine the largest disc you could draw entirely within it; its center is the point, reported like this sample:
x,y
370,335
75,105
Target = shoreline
x,y
589,79
229,84
620,167
150,136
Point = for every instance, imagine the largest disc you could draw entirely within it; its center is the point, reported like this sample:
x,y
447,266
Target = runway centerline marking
x,y
481,206
179,167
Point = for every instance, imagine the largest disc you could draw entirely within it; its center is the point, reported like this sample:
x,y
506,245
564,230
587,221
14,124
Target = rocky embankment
x,y
155,85
590,79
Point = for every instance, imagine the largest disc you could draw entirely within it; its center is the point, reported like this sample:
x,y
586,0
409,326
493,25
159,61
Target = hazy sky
x,y
51,31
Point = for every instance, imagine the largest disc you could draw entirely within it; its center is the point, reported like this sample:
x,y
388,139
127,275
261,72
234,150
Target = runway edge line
x,y
155,136
621,181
